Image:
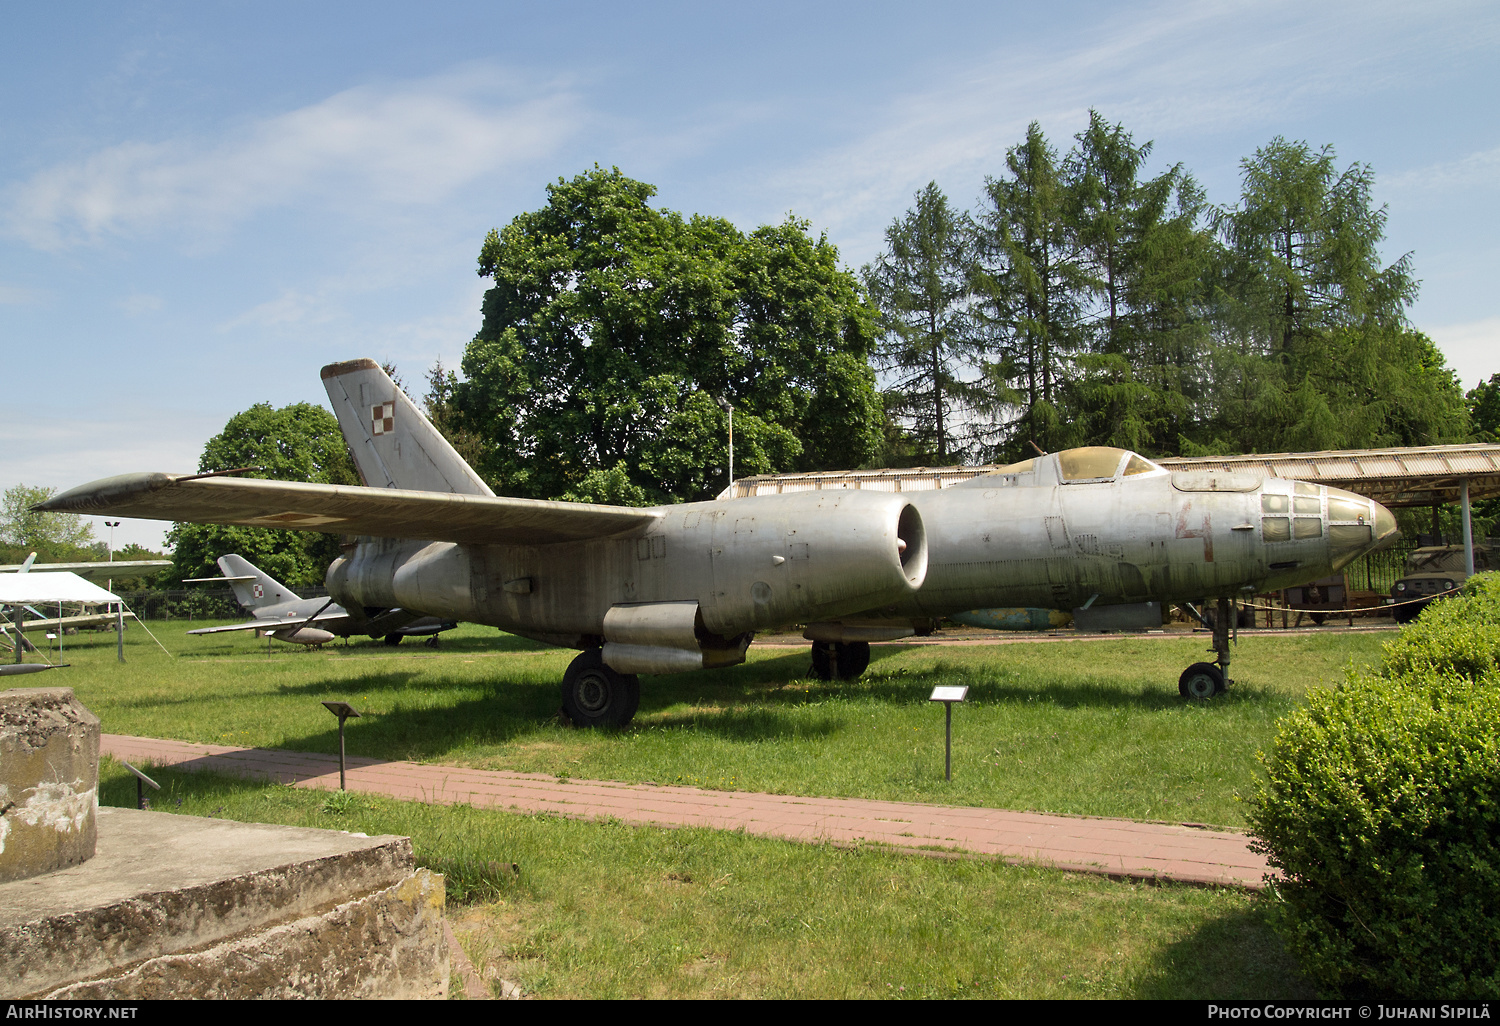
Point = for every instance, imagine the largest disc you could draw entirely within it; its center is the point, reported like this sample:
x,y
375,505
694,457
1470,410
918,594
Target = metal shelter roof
x,y
1419,476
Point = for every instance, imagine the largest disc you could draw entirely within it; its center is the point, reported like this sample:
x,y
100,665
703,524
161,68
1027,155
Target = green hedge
x,y
1380,804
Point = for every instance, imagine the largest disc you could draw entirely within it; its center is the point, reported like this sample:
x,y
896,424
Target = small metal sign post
x,y
140,780
343,710
948,694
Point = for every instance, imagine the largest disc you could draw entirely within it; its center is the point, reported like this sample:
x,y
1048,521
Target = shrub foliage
x,y
1380,804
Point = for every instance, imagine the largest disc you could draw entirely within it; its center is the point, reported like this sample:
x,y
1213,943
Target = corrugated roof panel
x,y
1417,465
1475,463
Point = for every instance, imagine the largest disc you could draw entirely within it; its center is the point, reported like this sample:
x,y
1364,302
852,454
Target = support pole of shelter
x,y
120,631
1468,531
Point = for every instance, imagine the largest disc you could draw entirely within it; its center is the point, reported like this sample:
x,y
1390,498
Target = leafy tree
x,y
1484,410
613,328
300,442
54,537
1305,289
920,284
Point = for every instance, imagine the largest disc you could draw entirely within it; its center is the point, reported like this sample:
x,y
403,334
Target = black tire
x,y
593,695
852,659
393,639
1408,613
1201,680
843,660
823,660
1317,618
431,642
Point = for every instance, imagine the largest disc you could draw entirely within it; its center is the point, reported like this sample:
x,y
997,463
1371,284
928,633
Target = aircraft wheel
x,y
594,695
853,658
1201,680
393,640
431,642
1317,618
823,660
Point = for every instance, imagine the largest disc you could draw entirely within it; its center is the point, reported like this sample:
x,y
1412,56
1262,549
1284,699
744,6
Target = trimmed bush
x,y
1381,806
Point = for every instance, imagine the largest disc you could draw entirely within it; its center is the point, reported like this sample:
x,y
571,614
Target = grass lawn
x,y
605,910
1092,727
608,910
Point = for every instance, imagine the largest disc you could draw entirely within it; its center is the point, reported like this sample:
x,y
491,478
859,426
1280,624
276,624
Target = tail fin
x,y
253,587
393,445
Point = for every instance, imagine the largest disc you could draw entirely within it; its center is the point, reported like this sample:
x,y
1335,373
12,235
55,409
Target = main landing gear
x,y
1204,680
840,660
593,695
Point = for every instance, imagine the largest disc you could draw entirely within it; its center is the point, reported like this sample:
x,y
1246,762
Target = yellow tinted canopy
x,y
1096,462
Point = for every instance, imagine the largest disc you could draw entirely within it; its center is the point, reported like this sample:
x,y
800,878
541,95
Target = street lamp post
x,y
728,408
109,585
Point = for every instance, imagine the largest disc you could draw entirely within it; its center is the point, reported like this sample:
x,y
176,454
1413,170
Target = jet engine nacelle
x,y
779,563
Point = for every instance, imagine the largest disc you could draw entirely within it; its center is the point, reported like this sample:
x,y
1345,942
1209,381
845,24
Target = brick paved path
x,y
1114,847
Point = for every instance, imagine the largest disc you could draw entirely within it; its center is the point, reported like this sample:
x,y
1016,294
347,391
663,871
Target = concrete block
x,y
49,777
182,906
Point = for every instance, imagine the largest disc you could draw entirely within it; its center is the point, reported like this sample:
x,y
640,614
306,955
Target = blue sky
x,y
201,204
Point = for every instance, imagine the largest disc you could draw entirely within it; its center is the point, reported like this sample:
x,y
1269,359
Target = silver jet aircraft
x,y
286,616
685,587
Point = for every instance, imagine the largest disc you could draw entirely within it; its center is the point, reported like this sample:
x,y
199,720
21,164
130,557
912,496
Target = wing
x,y
346,509
278,624
97,571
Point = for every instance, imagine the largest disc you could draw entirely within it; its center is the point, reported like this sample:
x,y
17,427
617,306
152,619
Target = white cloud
x,y
1480,169
413,143
138,303
1184,69
17,295
1472,349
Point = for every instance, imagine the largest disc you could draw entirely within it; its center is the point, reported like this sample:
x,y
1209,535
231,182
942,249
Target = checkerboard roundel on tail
x,y
393,444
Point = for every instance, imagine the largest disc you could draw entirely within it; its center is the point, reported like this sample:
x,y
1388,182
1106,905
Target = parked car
x,y
1431,571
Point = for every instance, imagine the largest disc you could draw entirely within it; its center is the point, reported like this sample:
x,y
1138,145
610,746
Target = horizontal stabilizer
x,y
272,624
347,509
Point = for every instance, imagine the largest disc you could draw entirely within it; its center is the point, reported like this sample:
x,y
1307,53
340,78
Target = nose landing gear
x,y
1204,680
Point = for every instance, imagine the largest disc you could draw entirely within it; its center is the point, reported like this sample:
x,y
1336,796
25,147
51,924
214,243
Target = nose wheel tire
x,y
1201,680
593,695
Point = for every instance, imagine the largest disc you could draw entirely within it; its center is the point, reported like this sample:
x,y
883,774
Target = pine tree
x,y
920,285
1029,284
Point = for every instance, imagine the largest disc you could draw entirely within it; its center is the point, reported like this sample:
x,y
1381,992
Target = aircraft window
x,y
1139,465
1304,504
1345,509
1273,503
1276,529
1090,463
1307,527
1303,488
1342,537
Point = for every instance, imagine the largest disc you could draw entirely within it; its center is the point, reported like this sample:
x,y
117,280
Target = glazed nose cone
x,y
1357,525
1386,531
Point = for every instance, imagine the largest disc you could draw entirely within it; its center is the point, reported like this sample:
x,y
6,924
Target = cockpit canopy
x,y
1089,463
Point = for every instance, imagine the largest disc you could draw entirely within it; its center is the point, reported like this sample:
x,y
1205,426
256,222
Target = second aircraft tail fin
x,y
253,587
